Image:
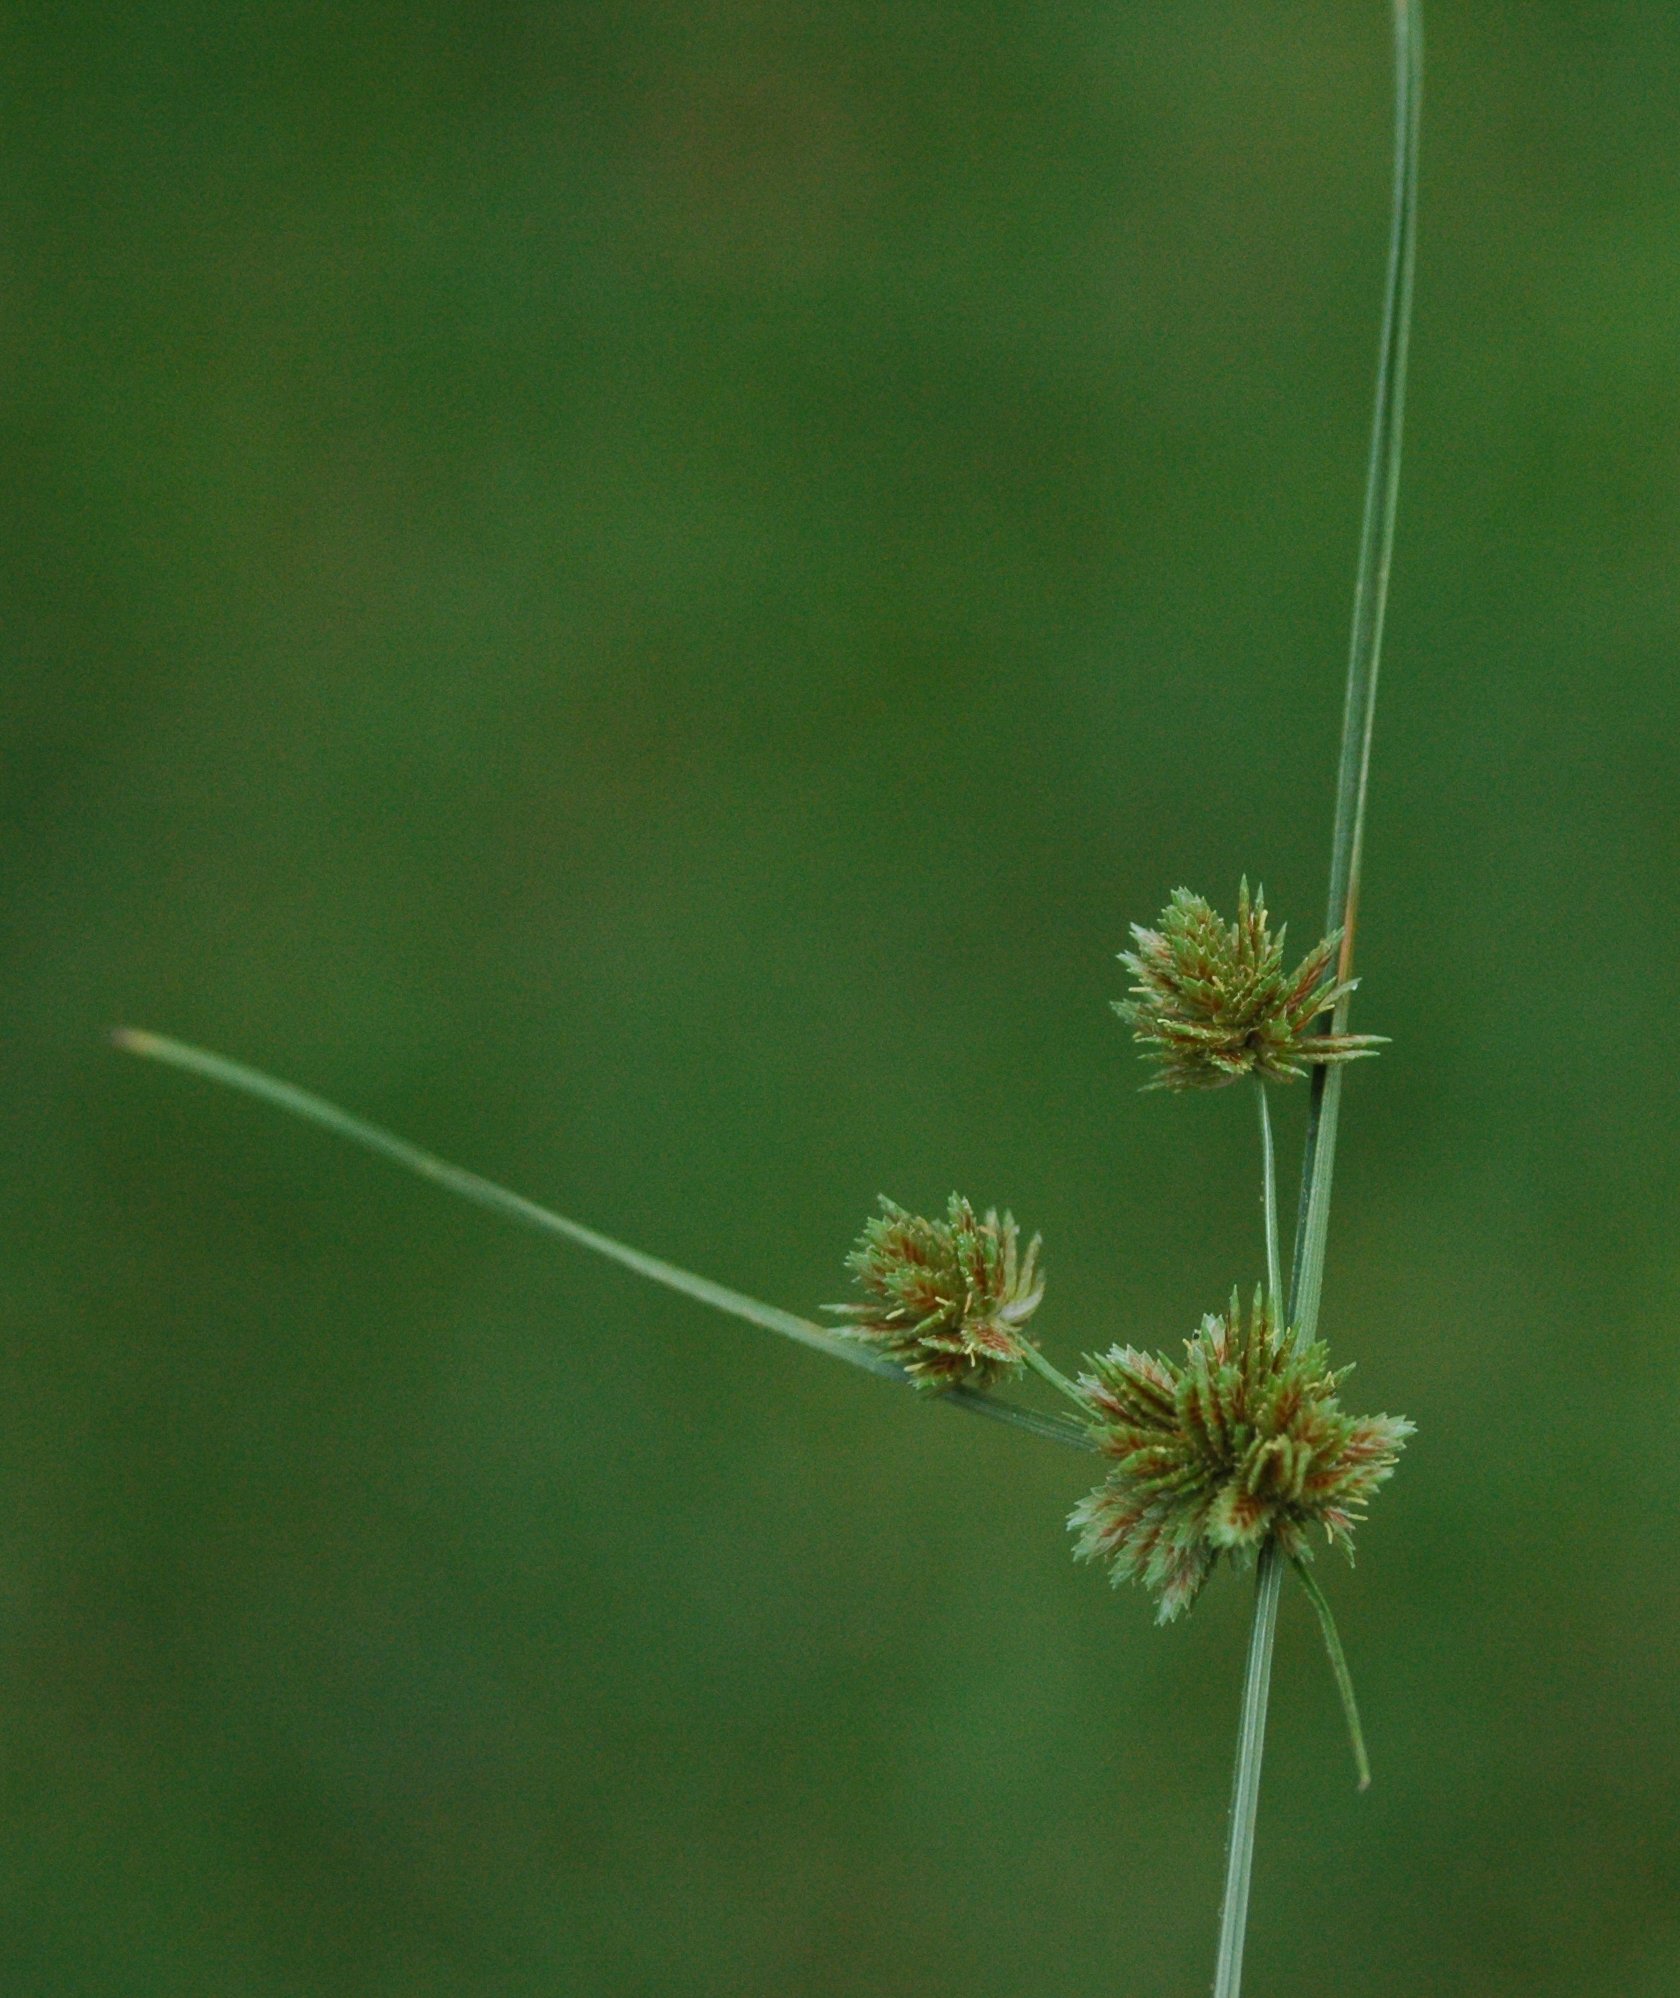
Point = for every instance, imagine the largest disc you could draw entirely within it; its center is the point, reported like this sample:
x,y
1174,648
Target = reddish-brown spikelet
x,y
946,1299
1245,1441
1213,1003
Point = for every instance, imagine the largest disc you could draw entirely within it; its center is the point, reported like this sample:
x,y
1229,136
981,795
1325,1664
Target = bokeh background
x,y
642,590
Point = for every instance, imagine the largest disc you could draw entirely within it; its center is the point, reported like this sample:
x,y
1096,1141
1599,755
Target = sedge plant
x,y
1240,1448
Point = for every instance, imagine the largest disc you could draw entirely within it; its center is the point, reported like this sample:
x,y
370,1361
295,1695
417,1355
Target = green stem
x,y
1047,1370
1339,1666
1268,1195
1346,855
1370,604
485,1193
1245,1787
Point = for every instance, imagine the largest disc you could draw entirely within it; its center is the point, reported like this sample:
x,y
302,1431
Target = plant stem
x,y
1245,1787
1047,1370
1268,1196
1338,1665
485,1193
1370,604
1346,855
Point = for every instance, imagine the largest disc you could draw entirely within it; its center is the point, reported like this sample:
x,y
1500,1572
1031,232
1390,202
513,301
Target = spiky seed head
x,y
1244,1442
1213,1003
946,1299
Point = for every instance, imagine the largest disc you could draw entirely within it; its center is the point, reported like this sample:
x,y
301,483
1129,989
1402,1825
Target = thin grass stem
x,y
1268,1198
1245,1787
1370,606
1047,1370
1339,1666
1346,856
486,1193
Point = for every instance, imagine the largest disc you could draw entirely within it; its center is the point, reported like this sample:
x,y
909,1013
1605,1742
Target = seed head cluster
x,y
946,1299
1213,1003
1245,1441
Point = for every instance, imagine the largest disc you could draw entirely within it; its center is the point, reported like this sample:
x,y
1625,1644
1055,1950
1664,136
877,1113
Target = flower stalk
x,y
1346,855
1268,1202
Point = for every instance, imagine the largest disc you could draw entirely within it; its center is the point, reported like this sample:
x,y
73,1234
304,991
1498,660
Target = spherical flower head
x,y
1244,1442
1212,1003
946,1299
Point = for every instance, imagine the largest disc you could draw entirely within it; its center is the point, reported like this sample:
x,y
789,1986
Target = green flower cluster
x,y
1214,1004
945,1299
1245,1441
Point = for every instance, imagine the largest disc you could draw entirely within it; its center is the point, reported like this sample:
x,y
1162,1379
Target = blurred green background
x,y
641,591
